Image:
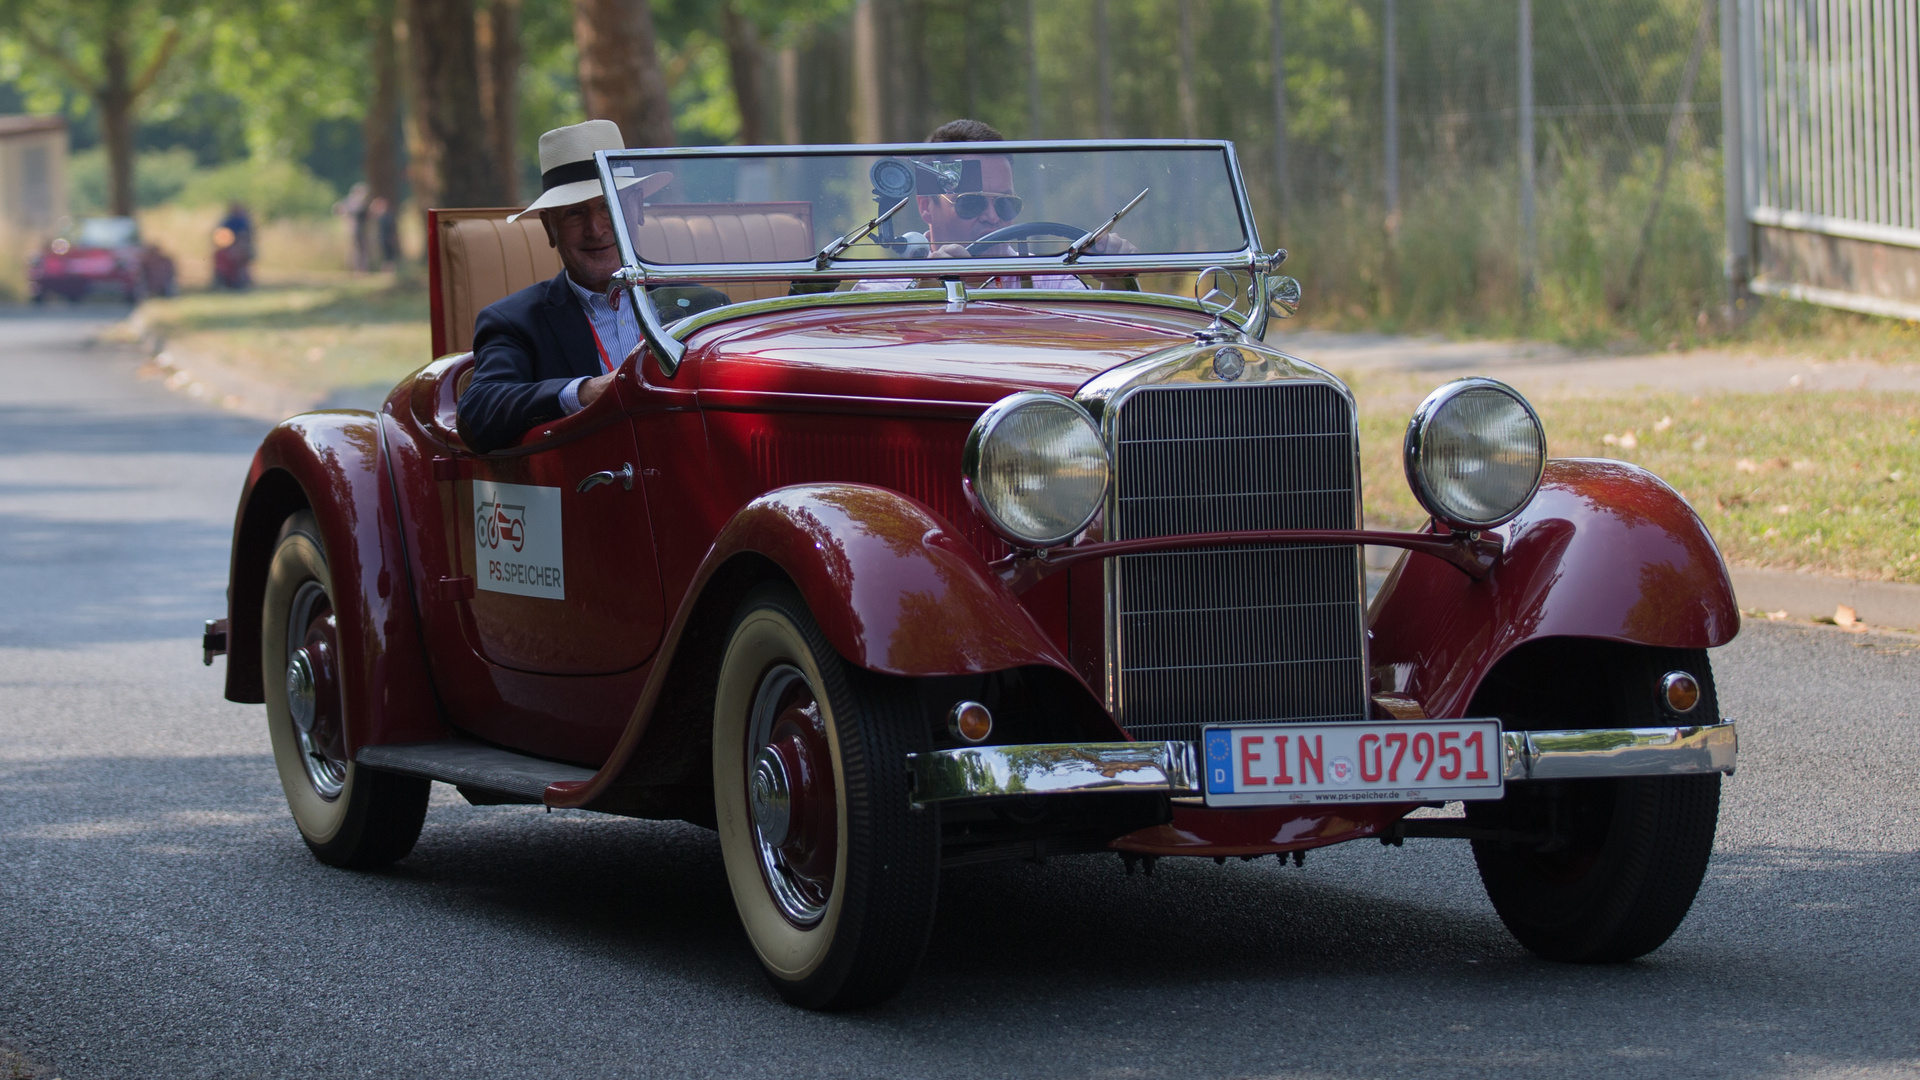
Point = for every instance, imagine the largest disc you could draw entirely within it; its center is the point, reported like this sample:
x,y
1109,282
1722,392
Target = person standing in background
x,y
354,211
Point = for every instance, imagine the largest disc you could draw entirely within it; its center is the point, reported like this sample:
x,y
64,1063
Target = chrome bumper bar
x,y
978,772
1602,752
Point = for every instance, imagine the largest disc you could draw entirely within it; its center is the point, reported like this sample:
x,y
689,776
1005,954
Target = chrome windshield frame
x,y
637,275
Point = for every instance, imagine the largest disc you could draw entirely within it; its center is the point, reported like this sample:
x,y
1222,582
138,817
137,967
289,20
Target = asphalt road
x,y
159,916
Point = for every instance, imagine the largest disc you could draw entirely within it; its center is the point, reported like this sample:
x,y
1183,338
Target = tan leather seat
x,y
479,257
730,232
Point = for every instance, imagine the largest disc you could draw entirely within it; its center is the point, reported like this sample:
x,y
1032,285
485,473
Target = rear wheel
x,y
833,871
1601,871
349,816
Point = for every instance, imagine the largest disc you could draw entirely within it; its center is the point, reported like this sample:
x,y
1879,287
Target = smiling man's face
x,y
583,234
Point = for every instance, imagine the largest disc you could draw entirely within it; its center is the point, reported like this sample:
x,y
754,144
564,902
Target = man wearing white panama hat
x,y
551,349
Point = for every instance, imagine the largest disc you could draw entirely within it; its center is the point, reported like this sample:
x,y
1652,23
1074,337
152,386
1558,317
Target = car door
x,y
557,539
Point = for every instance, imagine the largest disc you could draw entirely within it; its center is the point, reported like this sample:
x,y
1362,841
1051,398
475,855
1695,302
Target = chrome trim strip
x,y
686,327
979,772
1004,266
976,772
1605,752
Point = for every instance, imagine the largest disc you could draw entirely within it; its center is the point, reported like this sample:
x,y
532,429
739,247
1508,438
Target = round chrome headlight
x,y
1474,453
1035,466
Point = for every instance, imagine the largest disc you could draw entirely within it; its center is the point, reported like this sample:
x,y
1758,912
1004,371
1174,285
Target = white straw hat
x,y
567,172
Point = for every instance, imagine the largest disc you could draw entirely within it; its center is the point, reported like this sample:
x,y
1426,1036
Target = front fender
x,y
893,588
1605,550
331,463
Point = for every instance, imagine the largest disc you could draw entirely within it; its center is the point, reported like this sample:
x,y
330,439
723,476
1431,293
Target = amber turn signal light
x,y
1679,692
970,722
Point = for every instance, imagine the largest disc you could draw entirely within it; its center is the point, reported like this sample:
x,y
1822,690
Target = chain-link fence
x,y
1428,227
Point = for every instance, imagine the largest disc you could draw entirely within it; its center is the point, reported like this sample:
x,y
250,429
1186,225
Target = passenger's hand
x,y
964,251
591,390
1113,244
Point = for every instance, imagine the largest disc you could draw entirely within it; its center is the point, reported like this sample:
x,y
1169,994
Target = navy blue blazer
x,y
526,348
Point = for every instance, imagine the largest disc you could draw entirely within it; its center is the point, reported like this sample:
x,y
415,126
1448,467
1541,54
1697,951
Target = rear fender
x,y
1606,550
331,463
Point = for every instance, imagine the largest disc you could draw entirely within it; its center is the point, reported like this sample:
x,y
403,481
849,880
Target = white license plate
x,y
1384,761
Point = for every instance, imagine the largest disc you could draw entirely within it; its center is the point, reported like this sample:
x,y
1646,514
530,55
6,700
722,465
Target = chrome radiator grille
x,y
1243,634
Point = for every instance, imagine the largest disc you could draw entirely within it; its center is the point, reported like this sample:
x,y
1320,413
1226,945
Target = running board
x,y
468,764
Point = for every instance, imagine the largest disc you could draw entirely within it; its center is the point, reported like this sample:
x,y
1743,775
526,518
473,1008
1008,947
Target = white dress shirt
x,y
618,329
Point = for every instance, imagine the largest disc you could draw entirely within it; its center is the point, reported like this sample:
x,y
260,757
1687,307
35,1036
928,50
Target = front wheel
x,y
1602,871
833,871
349,816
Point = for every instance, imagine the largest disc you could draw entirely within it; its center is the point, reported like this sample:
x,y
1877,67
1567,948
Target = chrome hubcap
x,y
790,795
300,690
771,798
313,694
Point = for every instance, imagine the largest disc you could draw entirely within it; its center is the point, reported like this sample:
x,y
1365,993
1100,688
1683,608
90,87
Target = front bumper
x,y
978,772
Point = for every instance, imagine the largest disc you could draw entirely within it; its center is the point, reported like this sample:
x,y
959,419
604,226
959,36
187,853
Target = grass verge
x,y
315,337
1827,482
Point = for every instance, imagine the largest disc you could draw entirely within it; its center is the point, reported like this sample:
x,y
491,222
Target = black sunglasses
x,y
973,204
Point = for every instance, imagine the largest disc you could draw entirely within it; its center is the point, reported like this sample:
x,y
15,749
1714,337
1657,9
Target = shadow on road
x,y
1050,969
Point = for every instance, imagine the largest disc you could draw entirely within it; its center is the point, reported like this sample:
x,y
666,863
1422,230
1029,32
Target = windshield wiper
x,y
832,251
1079,247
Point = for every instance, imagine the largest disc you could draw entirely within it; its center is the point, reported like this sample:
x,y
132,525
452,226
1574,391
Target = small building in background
x,y
33,174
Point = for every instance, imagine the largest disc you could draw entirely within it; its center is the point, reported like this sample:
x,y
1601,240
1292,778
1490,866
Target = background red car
x,y
107,255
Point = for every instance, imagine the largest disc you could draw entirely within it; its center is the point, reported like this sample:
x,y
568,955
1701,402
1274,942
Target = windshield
x,y
955,201
109,232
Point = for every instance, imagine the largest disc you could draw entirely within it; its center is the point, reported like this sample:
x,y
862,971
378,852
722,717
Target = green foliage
x,y
700,84
272,189
158,178
291,64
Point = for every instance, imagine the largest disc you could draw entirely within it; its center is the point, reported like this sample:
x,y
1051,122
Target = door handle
x,y
607,476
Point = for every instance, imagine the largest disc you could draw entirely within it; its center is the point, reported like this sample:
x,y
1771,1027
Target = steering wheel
x,y
1024,230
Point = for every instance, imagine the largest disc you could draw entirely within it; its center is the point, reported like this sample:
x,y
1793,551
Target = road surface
x,y
160,917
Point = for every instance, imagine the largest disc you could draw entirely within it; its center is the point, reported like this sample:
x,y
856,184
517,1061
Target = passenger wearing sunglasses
x,y
958,218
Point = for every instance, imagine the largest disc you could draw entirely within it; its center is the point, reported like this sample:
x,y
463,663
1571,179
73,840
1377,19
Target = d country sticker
x,y
516,540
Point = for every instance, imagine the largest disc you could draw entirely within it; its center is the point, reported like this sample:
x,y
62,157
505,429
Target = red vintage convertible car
x,y
896,563
105,255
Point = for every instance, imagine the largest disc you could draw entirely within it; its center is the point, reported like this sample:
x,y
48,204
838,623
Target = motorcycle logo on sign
x,y
499,523
516,540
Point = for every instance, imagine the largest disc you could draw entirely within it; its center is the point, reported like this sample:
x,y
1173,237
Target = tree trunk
x,y
447,101
114,97
497,33
423,154
788,65
744,60
1189,109
620,76
1103,64
383,110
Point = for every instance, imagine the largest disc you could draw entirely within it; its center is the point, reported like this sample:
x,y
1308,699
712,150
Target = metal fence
x,y
1395,146
1824,195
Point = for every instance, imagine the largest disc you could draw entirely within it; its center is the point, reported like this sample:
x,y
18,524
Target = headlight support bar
x,y
1473,553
